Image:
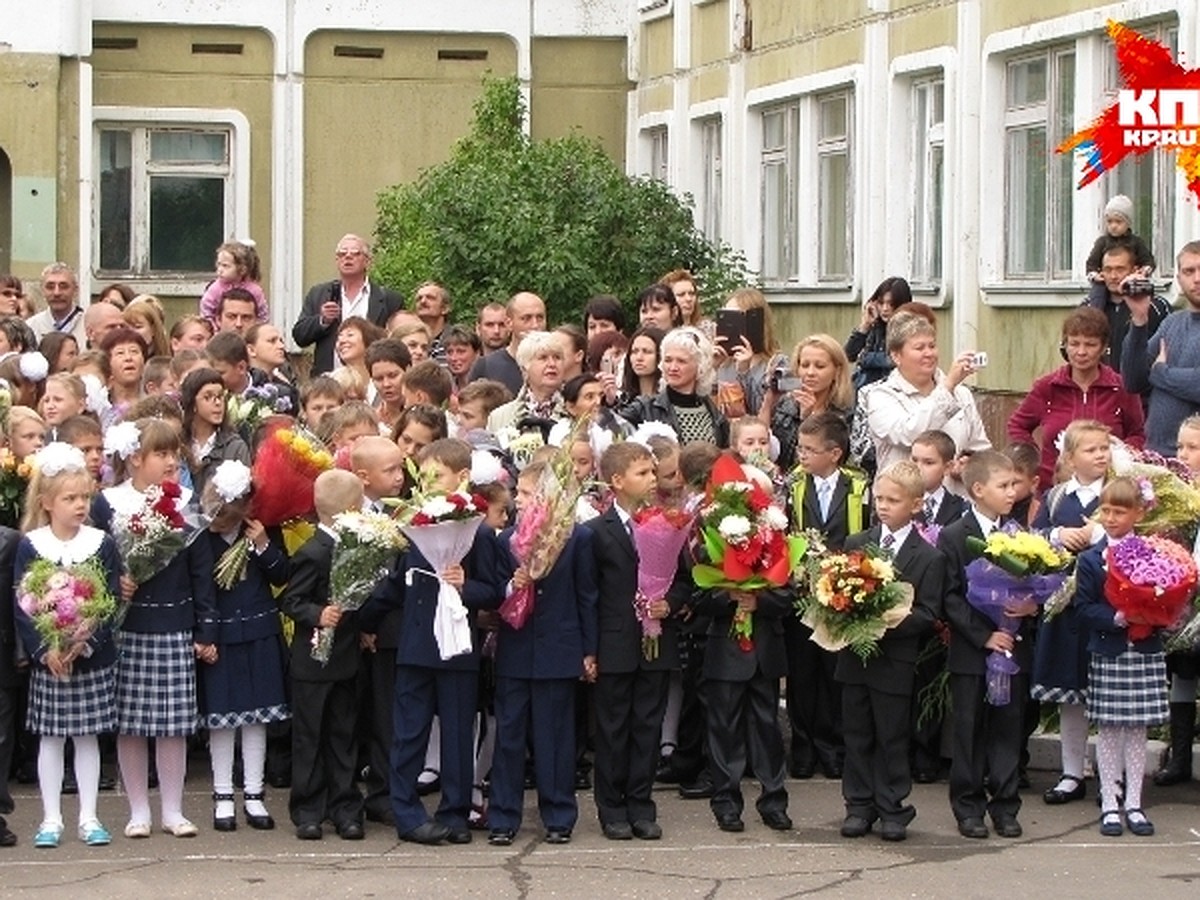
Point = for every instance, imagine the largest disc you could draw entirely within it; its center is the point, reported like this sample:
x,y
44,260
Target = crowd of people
x,y
868,443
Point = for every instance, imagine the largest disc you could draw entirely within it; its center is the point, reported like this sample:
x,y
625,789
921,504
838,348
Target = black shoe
x,y
70,785
583,781
701,789
855,826
666,773
731,822
618,831
924,776
1138,824
1023,783
459,836
645,830
425,788
1055,797
281,780
383,816
893,831
107,782
427,833
258,823
8,838
223,823
351,831
504,838
309,831
558,835
777,820
832,770
803,770
1007,826
973,828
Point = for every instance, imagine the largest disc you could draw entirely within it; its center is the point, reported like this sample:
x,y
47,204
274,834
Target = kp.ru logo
x,y
1158,108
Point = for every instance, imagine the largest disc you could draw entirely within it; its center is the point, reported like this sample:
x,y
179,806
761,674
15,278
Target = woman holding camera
x,y
1085,388
867,345
745,362
818,380
918,396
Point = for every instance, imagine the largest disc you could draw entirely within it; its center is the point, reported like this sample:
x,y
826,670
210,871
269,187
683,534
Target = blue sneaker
x,y
94,834
48,835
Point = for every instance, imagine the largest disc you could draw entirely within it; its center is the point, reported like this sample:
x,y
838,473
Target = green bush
x,y
558,217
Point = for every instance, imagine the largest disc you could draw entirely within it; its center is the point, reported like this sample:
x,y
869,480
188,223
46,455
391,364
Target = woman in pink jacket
x,y
1085,388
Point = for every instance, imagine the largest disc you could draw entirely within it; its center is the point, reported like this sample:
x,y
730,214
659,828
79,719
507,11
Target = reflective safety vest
x,y
854,504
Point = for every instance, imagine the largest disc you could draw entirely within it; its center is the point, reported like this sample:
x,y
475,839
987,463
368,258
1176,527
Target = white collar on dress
x,y
125,498
84,545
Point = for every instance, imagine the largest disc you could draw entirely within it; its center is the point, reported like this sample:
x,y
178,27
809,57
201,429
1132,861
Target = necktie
x,y
887,542
824,495
929,510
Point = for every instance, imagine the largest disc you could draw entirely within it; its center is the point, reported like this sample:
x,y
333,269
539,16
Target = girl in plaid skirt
x,y
1127,680
71,691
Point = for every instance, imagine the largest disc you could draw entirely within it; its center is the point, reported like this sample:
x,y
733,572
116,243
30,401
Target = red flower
x,y
745,644
457,501
171,489
758,499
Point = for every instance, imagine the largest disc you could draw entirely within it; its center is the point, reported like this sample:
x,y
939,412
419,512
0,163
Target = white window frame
x,y
1046,114
142,121
829,147
927,252
658,152
785,157
654,9
712,175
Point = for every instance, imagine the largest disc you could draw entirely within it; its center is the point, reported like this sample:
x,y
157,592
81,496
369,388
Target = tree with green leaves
x,y
505,213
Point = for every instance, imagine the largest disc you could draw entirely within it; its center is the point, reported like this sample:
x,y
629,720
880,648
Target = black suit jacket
x,y
9,538
891,670
619,645
306,595
950,510
836,528
309,330
724,660
971,629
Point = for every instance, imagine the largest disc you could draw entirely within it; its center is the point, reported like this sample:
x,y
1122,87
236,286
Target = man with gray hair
x,y
60,288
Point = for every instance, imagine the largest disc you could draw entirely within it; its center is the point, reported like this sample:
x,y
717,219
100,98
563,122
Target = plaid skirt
x,y
156,684
1130,689
84,703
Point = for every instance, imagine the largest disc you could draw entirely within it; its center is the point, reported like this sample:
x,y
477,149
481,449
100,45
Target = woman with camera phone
x,y
817,380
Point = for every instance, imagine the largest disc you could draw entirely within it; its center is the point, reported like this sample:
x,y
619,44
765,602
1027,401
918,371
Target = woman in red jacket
x,y
1085,388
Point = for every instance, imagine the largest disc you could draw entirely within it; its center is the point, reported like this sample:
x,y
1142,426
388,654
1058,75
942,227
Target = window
x,y
1148,179
1039,184
166,198
929,155
779,197
659,158
710,188
833,180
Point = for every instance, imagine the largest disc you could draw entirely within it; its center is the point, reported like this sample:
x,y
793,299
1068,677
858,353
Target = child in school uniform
x,y
72,691
245,689
986,739
834,501
426,684
324,697
170,623
1127,680
537,668
876,692
630,691
1060,660
933,451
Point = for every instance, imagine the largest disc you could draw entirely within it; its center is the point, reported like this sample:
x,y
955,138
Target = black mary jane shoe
x,y
258,823
1056,796
223,823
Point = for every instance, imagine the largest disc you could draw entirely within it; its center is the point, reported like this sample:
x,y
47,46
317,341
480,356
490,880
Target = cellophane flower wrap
x,y
1150,580
1011,567
67,604
285,468
543,528
659,534
443,529
150,536
366,544
14,483
248,410
852,599
1171,496
745,535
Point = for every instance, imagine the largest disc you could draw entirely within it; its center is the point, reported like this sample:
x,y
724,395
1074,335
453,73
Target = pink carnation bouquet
x,y
659,534
66,604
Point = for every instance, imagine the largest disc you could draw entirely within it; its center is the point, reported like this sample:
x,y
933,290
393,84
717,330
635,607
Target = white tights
x,y
51,766
1121,748
133,754
254,759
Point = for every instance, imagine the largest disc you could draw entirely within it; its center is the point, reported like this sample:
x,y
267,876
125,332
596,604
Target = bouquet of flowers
x,y
14,482
443,529
259,402
287,463
542,530
366,544
1149,580
659,534
745,538
1011,567
520,445
230,482
66,604
1172,499
150,536
853,598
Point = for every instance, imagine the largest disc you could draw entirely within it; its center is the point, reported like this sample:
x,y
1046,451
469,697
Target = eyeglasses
x,y
211,396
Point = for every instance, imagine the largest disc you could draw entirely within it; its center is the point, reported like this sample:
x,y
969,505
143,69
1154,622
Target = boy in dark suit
x,y
986,738
631,691
934,452
876,693
324,697
537,669
427,684
833,501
